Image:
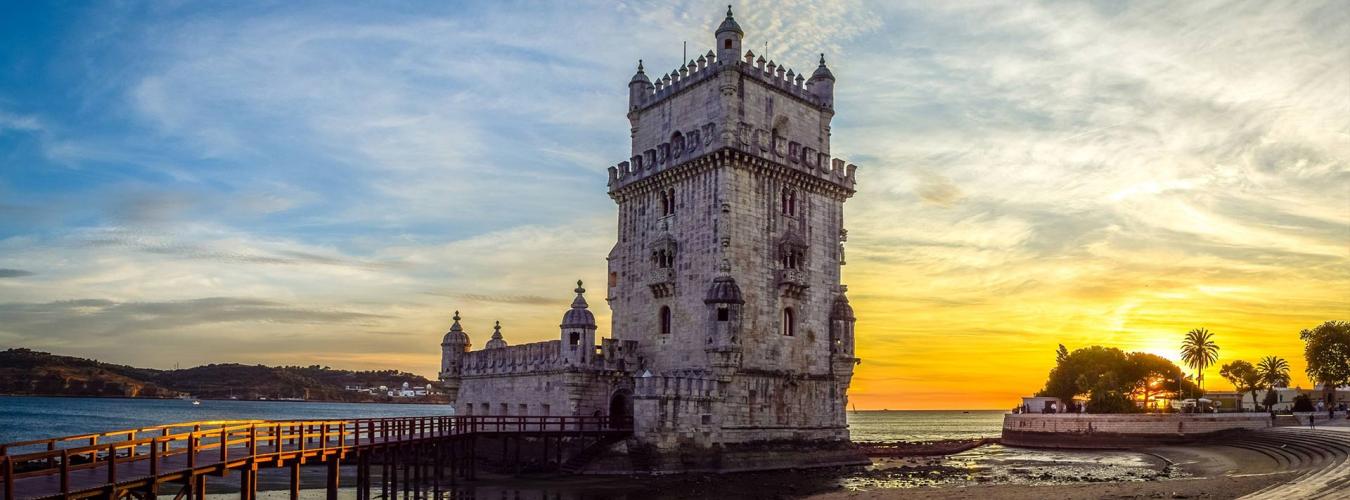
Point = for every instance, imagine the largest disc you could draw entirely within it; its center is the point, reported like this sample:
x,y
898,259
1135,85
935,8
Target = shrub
x,y
1303,403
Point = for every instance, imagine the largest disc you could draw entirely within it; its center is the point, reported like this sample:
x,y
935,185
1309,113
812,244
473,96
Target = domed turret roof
x,y
729,24
640,76
456,335
724,291
578,316
822,72
841,308
497,342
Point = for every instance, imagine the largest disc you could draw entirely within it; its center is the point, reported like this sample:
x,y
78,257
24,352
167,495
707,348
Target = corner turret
x,y
453,346
821,84
578,330
841,326
638,87
497,342
725,305
729,36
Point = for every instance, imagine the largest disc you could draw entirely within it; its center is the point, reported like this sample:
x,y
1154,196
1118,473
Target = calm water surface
x,y
24,418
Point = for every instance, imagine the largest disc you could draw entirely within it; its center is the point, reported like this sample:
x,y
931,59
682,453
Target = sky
x,y
325,183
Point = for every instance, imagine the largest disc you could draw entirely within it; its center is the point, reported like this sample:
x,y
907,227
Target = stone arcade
x,y
732,338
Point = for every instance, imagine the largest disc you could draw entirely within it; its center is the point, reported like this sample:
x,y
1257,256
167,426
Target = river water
x,y
24,418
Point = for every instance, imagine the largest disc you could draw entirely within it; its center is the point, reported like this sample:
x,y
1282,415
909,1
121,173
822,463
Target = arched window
x,y
789,322
726,44
723,314
574,338
665,320
789,202
664,259
667,202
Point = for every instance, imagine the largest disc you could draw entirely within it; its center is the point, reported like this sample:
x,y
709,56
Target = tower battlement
x,y
806,161
707,67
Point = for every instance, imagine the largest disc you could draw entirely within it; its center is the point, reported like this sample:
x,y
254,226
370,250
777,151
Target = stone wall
x,y
544,393
1121,431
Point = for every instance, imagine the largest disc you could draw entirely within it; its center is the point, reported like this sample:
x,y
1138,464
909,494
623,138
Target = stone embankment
x,y
1097,431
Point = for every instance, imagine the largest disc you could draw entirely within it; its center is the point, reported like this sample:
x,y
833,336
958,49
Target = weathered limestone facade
x,y
730,325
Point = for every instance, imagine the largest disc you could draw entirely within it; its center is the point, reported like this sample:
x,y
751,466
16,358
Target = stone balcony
x,y
661,281
793,282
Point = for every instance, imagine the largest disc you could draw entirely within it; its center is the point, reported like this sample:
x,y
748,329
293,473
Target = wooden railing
x,y
252,440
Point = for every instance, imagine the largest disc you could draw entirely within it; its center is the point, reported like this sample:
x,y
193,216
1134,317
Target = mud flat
x,y
1215,487
1277,463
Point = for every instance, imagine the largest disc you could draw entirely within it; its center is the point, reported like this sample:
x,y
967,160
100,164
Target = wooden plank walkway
x,y
121,464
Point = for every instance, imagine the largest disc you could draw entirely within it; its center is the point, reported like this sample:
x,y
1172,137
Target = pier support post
x,y
407,471
384,474
334,467
295,480
436,451
416,464
248,484
395,457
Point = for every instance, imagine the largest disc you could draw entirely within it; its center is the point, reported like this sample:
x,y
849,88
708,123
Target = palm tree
x,y
1274,371
1199,351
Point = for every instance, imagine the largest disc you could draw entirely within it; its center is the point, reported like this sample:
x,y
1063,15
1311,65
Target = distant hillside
x,y
24,371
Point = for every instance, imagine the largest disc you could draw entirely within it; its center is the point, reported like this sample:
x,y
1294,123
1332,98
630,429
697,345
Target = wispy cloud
x,y
1031,173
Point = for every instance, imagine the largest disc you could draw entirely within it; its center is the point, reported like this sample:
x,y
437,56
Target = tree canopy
x,y
1244,377
1199,351
1327,350
1112,379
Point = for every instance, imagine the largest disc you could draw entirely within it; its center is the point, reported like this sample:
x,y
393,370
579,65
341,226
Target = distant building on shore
x,y
404,391
1284,397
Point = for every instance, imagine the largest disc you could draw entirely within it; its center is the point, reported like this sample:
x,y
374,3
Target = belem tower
x,y
731,339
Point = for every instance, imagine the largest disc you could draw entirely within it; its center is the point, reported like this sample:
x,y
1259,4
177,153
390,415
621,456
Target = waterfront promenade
x,y
177,458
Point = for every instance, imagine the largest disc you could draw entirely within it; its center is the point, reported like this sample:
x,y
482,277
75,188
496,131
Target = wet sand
x,y
1217,488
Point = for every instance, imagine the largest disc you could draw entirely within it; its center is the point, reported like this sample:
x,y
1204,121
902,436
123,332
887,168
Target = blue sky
x,y
293,182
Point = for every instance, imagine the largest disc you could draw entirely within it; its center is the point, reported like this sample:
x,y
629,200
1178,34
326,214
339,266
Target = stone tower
x,y
730,242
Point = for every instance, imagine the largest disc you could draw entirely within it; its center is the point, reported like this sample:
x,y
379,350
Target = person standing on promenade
x,y
1272,417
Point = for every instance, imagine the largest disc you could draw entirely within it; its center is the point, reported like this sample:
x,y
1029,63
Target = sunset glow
x,y
180,185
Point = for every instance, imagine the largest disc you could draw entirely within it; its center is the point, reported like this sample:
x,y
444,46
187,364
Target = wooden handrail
x,y
245,436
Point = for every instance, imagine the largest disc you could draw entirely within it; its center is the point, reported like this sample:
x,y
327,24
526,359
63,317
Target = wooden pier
x,y
415,455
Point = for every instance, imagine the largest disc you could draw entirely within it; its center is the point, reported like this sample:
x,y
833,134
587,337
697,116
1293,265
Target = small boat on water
x,y
196,402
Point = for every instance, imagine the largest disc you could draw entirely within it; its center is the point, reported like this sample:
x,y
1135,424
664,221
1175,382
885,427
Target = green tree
x,y
1327,350
1199,351
1243,376
1271,398
1085,371
1153,376
1114,380
1274,371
